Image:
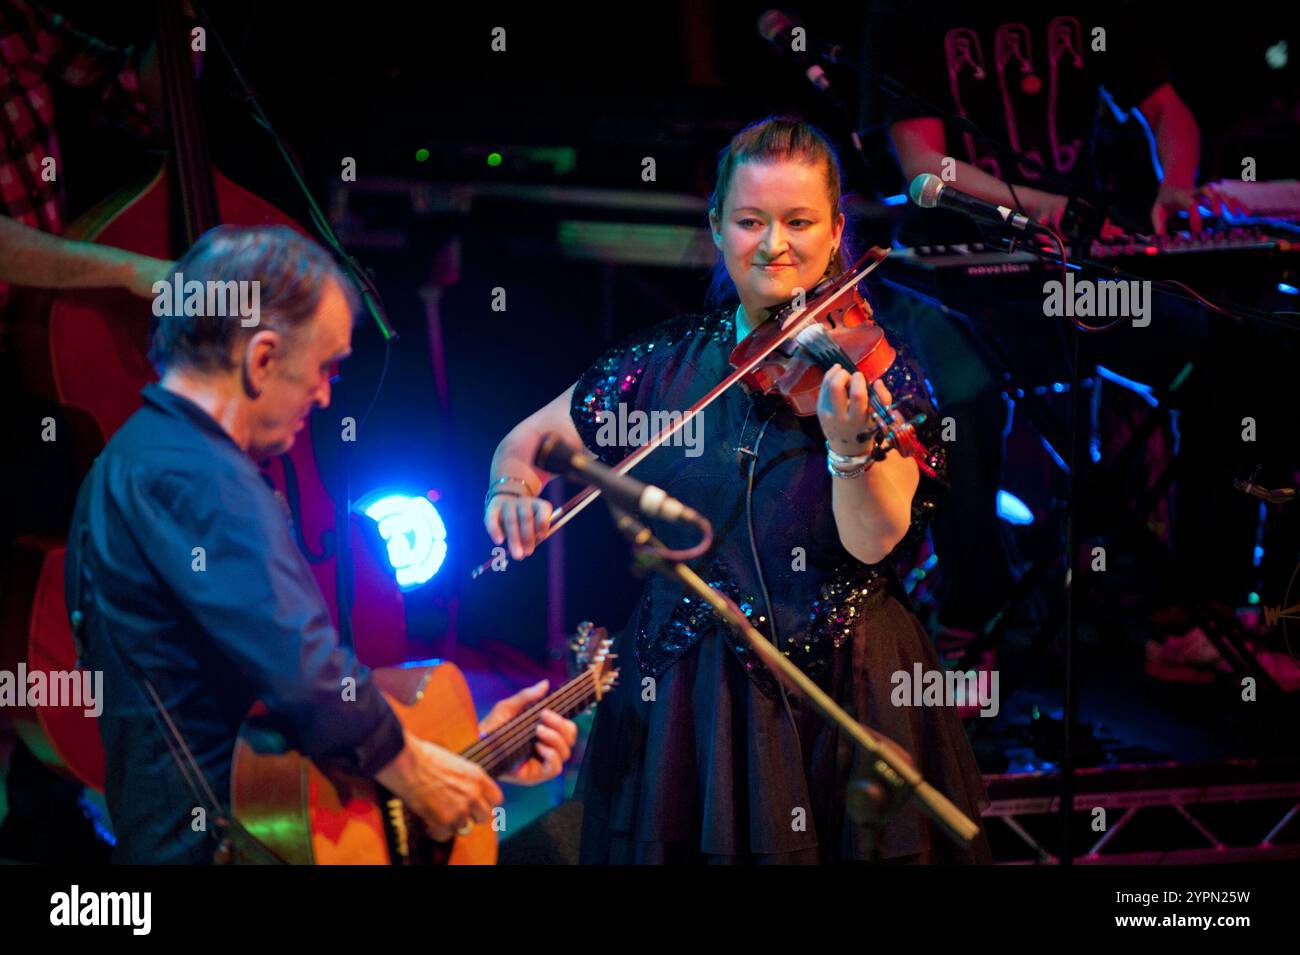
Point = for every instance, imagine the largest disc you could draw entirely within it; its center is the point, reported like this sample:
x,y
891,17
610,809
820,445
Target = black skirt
x,y
700,766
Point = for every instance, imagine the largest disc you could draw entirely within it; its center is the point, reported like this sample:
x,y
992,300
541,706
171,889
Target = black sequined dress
x,y
694,757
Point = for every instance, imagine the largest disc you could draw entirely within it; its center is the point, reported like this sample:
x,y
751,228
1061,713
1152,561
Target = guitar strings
x,y
498,748
491,742
515,733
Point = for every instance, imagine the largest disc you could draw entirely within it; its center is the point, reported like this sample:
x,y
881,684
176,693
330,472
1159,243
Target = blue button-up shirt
x,y
189,575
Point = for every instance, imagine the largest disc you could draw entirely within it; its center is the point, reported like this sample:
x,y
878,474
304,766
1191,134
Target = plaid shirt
x,y
38,48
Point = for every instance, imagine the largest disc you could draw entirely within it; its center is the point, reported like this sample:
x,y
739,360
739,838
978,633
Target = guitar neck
x,y
505,746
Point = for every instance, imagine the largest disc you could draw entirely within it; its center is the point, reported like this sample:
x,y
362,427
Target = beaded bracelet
x,y
857,471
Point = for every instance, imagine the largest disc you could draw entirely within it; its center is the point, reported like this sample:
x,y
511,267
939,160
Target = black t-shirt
x,y
1026,74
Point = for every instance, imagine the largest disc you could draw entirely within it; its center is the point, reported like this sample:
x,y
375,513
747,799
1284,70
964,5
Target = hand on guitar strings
x,y
555,740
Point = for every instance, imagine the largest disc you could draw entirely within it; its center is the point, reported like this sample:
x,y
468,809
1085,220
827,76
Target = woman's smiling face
x,y
776,230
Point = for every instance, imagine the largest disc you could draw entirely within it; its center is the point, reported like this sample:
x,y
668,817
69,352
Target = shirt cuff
x,y
382,746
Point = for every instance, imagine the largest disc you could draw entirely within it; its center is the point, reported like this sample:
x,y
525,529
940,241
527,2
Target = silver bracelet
x,y
846,459
854,472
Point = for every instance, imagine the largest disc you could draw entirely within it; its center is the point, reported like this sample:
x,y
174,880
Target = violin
x,y
789,354
844,335
793,372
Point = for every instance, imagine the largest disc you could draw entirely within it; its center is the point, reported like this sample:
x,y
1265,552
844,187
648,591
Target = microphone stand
x,y
891,779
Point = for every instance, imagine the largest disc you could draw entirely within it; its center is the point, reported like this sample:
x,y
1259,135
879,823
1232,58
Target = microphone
x,y
930,192
777,28
554,455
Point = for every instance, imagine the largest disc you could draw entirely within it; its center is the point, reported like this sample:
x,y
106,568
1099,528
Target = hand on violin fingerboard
x,y
844,410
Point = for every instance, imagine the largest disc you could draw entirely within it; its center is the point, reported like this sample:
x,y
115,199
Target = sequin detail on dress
x,y
832,619
617,374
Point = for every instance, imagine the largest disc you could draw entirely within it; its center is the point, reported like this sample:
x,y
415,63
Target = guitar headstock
x,y
602,667
583,644
590,648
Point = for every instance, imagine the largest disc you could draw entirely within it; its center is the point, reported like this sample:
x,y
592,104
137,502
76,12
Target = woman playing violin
x,y
700,754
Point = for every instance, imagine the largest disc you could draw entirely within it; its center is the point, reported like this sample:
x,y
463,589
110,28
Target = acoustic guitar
x,y
309,816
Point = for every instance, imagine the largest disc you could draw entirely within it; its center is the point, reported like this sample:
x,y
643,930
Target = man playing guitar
x,y
184,579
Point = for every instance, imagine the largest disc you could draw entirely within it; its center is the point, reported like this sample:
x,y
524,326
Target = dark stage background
x,y
581,97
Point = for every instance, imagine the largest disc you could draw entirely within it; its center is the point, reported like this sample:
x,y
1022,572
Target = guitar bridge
x,y
399,832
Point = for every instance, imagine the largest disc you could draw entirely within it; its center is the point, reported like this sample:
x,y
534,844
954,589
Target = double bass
x,y
87,350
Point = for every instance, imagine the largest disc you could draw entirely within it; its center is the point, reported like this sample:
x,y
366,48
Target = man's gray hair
x,y
290,269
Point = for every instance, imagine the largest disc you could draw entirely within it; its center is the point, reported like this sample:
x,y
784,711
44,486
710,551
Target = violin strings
x,y
824,350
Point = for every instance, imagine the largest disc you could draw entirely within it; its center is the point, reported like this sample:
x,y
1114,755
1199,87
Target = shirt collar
x,y
178,406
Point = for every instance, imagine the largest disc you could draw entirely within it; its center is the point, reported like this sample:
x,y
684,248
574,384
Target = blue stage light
x,y
1260,522
1276,55
1013,510
414,532
1287,289
1060,461
897,200
1137,387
